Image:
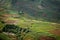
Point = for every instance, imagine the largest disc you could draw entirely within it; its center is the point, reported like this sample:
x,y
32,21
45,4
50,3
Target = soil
x,y
55,31
47,38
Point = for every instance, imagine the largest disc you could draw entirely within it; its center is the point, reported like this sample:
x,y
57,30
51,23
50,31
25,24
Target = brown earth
x,y
47,38
56,32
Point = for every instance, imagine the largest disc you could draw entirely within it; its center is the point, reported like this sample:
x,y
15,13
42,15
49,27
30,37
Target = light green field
x,y
34,25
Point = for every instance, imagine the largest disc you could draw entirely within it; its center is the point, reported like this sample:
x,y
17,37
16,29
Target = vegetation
x,y
30,19
4,37
16,30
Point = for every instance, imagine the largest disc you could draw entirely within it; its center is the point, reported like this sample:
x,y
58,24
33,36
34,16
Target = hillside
x,y
30,19
47,9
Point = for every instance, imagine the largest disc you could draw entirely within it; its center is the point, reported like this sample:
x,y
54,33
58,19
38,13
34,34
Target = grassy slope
x,y
34,25
38,26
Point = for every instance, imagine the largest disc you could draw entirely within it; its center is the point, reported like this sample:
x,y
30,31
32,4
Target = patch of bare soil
x,y
47,38
55,31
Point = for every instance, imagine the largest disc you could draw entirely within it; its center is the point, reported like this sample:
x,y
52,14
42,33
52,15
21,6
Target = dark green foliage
x,y
14,29
26,30
10,28
2,22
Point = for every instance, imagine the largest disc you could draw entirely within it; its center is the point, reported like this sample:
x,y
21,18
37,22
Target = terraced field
x,y
38,28
29,20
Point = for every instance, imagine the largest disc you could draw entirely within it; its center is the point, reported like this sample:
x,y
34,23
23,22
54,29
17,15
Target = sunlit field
x,y
29,20
36,27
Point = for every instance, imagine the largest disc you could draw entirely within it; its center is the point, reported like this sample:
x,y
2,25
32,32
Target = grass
x,y
26,22
34,25
4,37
